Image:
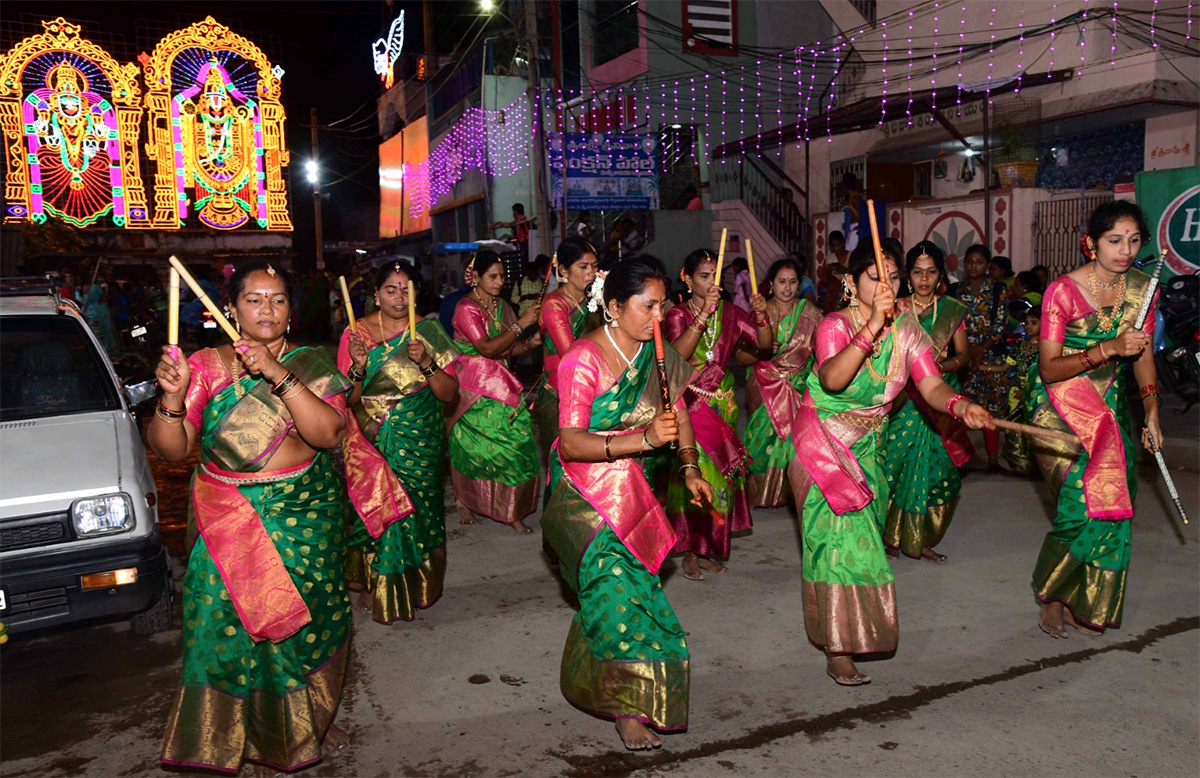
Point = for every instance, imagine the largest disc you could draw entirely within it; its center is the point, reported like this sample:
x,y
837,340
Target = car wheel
x,y
159,616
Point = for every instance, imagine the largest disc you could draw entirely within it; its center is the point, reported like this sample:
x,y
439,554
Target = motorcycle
x,y
1177,352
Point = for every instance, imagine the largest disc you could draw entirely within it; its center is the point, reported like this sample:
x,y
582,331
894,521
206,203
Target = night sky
x,y
325,49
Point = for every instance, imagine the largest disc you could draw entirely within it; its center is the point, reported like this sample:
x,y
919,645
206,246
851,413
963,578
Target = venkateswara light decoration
x,y
216,127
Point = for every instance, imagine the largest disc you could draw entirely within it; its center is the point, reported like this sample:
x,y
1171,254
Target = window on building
x,y
710,26
616,29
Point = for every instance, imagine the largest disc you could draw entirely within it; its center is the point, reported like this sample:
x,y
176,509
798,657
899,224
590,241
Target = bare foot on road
x,y
711,565
336,741
691,567
519,527
365,602
465,516
1069,619
1051,620
637,736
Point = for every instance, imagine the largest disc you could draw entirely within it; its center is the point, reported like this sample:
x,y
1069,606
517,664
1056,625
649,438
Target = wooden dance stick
x,y
529,331
1033,429
346,300
213,308
750,262
412,310
880,262
721,255
660,358
173,311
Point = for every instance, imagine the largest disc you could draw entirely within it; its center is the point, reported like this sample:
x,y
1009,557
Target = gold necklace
x,y
1107,321
387,344
490,312
235,370
933,303
893,368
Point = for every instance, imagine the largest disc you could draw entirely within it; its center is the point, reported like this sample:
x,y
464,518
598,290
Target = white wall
x,y
1171,141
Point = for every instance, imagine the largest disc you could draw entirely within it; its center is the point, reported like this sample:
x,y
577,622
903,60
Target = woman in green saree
x,y
564,319
493,456
863,363
774,386
400,384
266,612
626,656
925,447
1087,336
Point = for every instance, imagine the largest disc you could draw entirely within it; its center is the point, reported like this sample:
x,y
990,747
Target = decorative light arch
x,y
216,131
71,118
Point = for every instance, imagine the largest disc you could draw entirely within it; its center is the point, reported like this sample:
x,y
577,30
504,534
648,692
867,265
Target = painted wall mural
x,y
72,120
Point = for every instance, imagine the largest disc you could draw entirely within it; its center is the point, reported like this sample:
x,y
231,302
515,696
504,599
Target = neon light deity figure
x,y
218,151
73,149
216,131
71,117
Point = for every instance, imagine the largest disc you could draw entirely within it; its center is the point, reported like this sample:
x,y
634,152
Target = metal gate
x,y
1057,227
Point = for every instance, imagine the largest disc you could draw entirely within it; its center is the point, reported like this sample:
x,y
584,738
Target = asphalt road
x,y
471,687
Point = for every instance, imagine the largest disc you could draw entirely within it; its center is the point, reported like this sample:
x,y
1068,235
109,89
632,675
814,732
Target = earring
x,y
289,329
238,324
609,318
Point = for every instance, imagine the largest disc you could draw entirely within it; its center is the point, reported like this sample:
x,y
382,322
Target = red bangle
x,y
1147,390
952,401
860,342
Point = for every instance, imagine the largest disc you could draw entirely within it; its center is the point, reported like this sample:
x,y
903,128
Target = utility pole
x,y
314,176
539,146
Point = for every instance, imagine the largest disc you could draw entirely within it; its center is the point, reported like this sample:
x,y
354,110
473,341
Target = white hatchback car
x,y
79,536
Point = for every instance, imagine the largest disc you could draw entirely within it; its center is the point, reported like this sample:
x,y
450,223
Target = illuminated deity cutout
x,y
71,152
217,131
218,145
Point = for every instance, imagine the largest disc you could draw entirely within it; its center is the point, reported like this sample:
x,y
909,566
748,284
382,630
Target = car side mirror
x,y
142,391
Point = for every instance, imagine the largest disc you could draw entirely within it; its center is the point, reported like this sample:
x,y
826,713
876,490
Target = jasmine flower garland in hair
x,y
596,293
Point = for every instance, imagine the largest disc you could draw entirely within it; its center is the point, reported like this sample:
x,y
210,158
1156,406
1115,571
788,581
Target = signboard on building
x,y
604,171
1171,201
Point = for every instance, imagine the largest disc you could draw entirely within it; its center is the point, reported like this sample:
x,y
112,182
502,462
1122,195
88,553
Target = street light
x,y
487,6
311,168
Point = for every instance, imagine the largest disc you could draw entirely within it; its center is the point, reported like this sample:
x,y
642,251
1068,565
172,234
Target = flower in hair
x,y
596,294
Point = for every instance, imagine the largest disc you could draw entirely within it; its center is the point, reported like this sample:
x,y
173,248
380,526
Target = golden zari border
x,y
912,532
397,596
851,618
217,730
770,489
1095,595
654,692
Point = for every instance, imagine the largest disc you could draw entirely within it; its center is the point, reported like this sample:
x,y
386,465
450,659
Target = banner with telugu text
x,y
604,171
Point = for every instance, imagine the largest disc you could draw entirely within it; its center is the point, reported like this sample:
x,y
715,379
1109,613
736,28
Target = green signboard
x,y
1171,201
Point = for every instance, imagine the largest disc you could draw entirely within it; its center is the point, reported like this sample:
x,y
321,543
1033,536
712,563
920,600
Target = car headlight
x,y
102,515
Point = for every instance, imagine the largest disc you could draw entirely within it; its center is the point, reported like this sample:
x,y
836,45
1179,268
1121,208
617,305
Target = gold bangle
x,y
295,391
685,466
607,453
167,418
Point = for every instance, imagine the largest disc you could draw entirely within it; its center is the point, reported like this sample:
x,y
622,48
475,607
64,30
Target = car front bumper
x,y
47,590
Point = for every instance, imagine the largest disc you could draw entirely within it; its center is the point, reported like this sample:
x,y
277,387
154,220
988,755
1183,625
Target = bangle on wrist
x,y
607,443
428,371
167,413
952,402
646,444
356,374
860,342
689,450
684,467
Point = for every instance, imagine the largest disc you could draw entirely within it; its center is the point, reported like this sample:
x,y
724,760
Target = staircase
x,y
755,200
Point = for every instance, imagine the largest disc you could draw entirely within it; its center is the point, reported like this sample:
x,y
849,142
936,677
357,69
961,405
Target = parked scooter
x,y
1178,356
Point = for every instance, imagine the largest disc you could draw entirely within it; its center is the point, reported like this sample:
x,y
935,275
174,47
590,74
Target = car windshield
x,y
50,367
